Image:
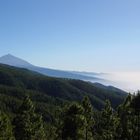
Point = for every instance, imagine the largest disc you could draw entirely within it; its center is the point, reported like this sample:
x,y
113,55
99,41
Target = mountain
x,y
15,61
17,82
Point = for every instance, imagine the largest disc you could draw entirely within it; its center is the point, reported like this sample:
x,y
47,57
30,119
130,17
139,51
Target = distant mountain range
x,y
17,62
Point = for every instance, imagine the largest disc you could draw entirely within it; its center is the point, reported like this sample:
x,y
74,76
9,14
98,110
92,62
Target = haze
x,y
128,81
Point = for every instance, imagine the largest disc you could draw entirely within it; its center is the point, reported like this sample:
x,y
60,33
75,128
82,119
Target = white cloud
x,y
129,81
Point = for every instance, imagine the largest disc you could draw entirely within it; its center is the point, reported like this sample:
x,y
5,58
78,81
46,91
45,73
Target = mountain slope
x,y
62,89
14,61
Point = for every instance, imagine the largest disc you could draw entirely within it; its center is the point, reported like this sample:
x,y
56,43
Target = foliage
x,y
73,122
28,125
129,114
106,124
5,127
88,114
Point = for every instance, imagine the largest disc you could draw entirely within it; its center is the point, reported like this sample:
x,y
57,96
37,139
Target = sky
x,y
82,35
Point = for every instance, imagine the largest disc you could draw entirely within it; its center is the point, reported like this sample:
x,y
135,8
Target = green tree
x,y
123,113
129,118
88,113
107,123
73,122
28,125
135,105
5,128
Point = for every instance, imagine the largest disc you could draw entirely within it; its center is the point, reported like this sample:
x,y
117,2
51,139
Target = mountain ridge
x,y
18,62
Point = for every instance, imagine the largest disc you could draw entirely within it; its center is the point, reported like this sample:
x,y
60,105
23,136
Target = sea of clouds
x,y
128,81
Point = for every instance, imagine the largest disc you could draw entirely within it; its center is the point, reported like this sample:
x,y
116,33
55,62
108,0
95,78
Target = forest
x,y
37,107
74,121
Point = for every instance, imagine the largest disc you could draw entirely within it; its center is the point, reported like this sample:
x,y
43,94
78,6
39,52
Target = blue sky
x,y
83,35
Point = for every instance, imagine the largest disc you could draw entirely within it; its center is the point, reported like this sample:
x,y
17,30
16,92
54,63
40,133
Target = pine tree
x,y
28,125
58,124
107,123
88,113
135,105
73,122
5,128
124,116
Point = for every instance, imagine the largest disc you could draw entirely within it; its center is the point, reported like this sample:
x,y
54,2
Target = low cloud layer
x,y
129,81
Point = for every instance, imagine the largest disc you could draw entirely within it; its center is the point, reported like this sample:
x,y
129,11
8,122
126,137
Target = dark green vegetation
x,y
55,111
15,83
74,121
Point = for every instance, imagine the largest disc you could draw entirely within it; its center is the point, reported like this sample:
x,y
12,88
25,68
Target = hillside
x,y
15,83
